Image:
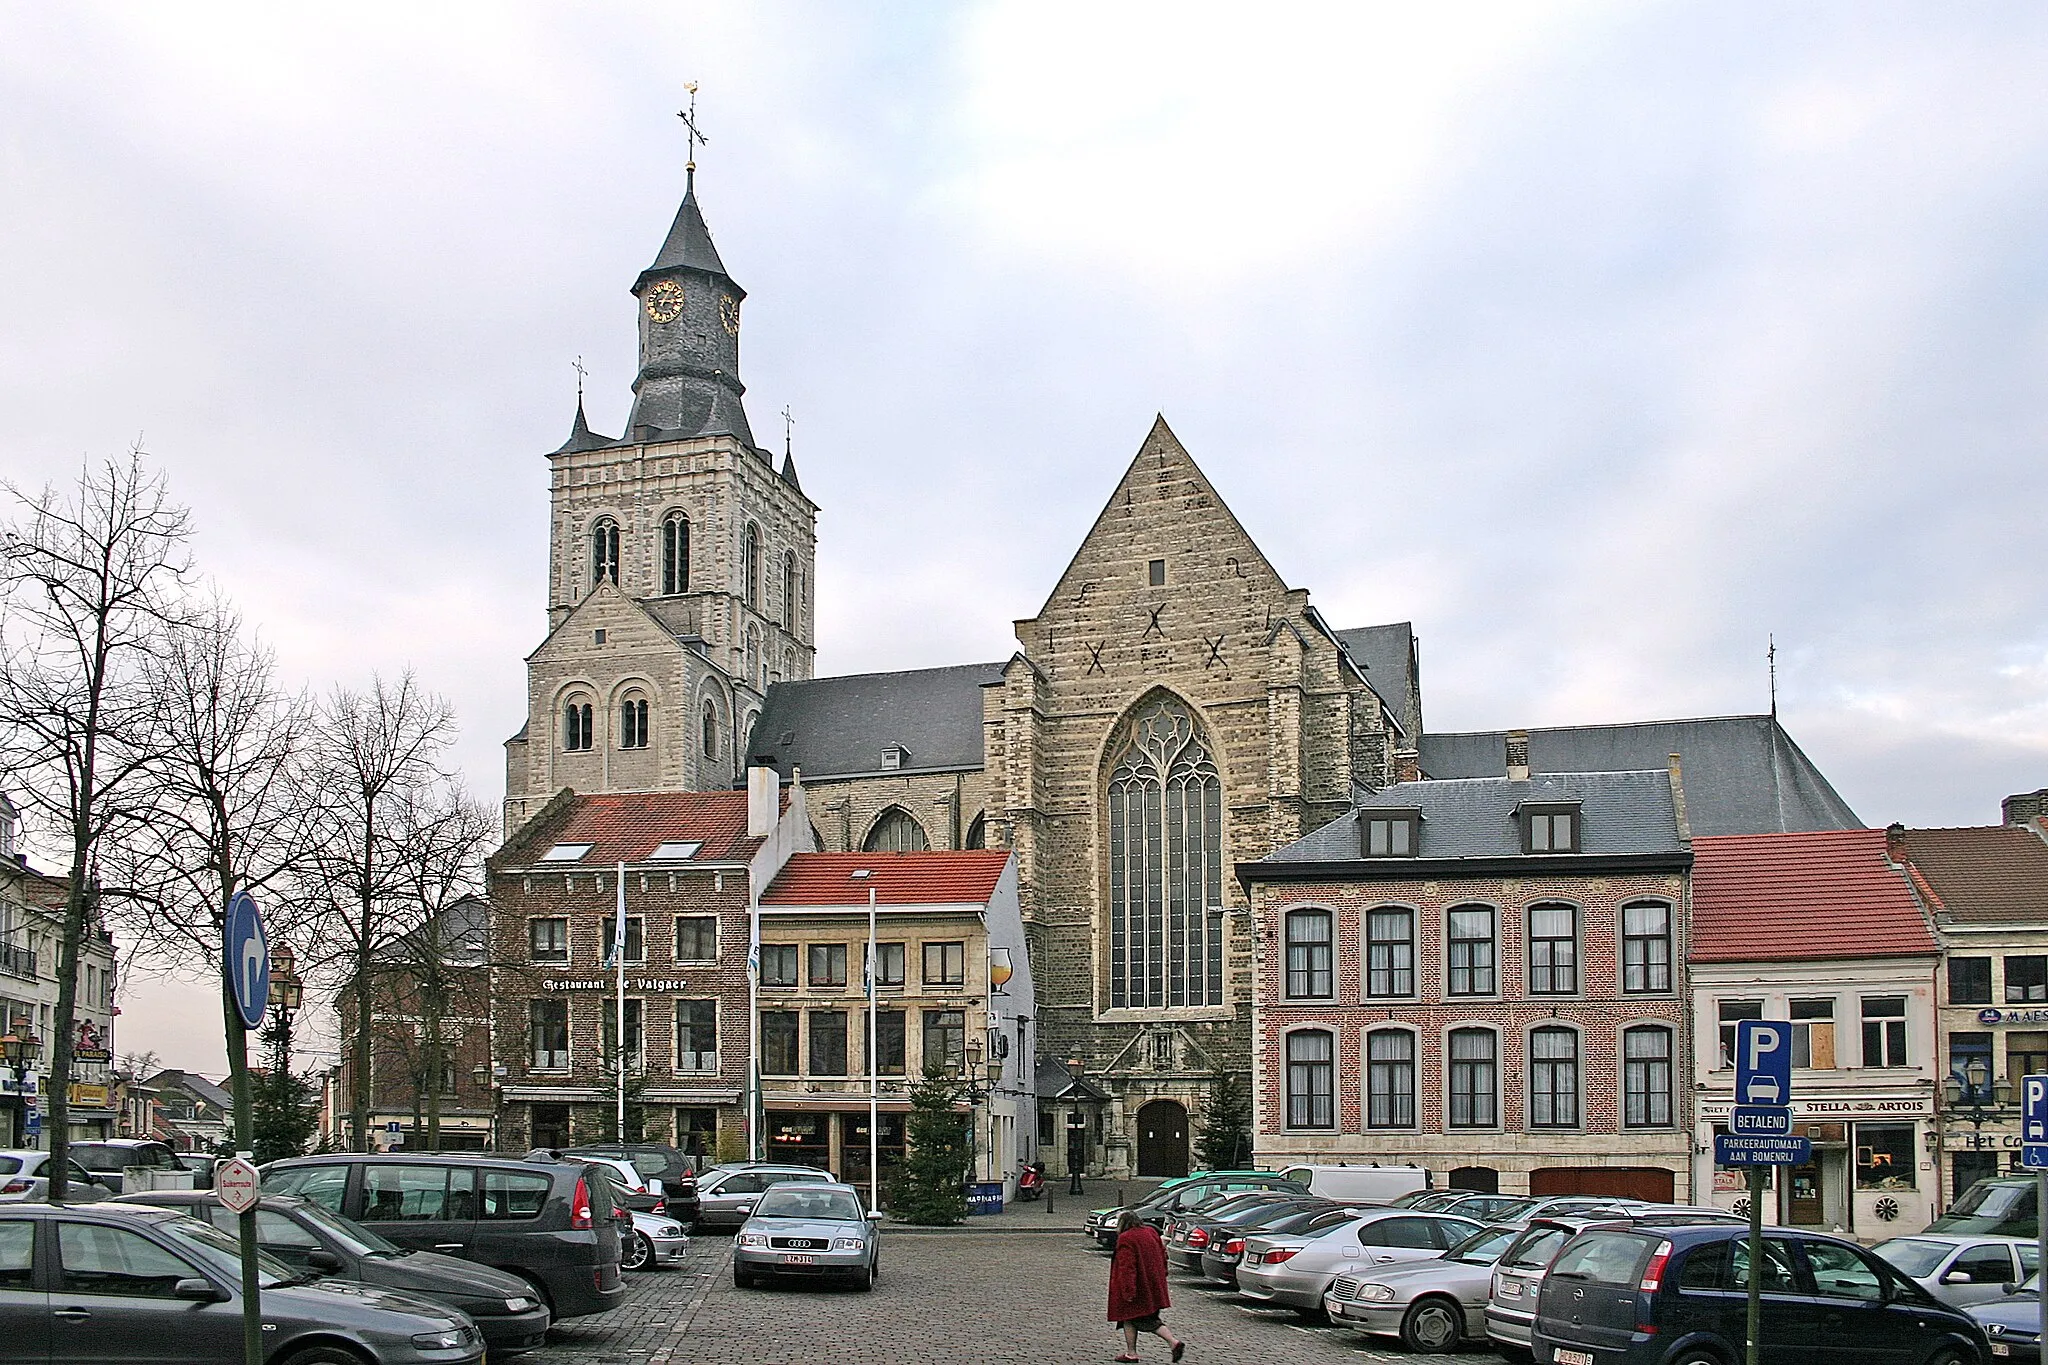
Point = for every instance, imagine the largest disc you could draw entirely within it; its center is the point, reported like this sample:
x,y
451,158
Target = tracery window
x,y
1165,862
604,551
896,832
675,554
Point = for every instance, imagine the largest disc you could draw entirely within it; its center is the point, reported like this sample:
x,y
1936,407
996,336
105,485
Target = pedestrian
x,y
1137,1285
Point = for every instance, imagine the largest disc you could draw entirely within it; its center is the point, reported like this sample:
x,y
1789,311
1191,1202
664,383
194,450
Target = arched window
x,y
675,554
1553,1078
1469,950
1390,951
1646,1077
1645,947
710,728
1165,862
1309,954
576,726
977,833
897,831
604,552
633,723
1475,1078
1311,1079
753,566
789,592
1553,949
1390,1078
757,672
789,663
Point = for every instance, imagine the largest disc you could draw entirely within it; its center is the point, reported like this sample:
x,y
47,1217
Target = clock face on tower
x,y
729,313
664,300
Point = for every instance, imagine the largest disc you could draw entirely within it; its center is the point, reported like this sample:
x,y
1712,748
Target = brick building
x,y
952,992
693,863
1483,976
1822,929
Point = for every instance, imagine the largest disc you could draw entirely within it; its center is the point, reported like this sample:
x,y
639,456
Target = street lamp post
x,y
1077,1132
1974,1095
21,1049
490,1078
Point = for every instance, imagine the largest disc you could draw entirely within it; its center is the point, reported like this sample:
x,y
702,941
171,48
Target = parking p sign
x,y
2034,1122
1763,1062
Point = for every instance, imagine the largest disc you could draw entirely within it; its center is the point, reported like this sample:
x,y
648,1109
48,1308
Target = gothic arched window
x,y
710,728
757,671
604,552
576,726
753,566
977,833
633,723
789,592
896,832
675,554
1165,862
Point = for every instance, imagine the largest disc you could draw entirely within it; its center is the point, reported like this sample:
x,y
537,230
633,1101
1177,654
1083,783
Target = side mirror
x,y
2009,1287
1958,1277
875,1216
324,1261
198,1290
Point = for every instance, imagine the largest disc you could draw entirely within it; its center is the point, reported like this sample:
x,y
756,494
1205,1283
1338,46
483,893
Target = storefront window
x,y
800,1139
2026,1054
1884,1156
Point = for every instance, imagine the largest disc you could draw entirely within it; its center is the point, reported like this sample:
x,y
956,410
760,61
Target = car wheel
x,y
325,1355
742,1279
866,1281
1949,1355
1433,1325
637,1254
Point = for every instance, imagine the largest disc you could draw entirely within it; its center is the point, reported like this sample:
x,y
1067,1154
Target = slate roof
x,y
688,244
838,727
1055,1082
938,877
1995,874
1806,896
194,1084
581,437
1621,813
1387,654
627,827
1742,774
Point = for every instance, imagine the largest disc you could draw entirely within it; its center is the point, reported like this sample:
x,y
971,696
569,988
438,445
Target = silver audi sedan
x,y
1433,1304
1275,1271
808,1229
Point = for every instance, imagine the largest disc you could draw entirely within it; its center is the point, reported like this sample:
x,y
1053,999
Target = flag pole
x,y
619,967
874,1074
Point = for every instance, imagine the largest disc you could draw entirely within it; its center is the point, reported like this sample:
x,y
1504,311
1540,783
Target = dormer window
x,y
1389,833
1550,828
892,757
566,853
675,851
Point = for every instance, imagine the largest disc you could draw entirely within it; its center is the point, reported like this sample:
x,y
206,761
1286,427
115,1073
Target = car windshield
x,y
102,1158
1536,1250
225,1252
835,1206
357,1238
1513,1211
1483,1247
1913,1256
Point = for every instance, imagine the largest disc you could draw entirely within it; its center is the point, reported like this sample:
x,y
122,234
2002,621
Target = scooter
x,y
1031,1181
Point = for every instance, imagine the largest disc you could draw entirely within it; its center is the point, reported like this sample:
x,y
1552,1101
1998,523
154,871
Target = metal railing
x,y
16,960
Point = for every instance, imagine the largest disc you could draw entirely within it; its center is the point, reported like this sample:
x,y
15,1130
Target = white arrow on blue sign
x,y
247,959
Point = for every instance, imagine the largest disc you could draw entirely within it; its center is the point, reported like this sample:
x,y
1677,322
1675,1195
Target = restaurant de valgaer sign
x,y
655,984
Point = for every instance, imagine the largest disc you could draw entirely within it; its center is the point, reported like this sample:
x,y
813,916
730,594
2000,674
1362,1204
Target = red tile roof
x,y
935,878
1987,874
627,828
1778,897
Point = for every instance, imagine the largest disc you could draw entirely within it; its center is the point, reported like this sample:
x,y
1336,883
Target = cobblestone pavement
x,y
944,1296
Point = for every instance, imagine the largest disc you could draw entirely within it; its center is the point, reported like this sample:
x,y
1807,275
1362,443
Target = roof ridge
x,y
888,673
1601,725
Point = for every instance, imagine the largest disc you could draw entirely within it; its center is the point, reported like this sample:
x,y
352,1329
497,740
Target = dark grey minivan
x,y
552,1225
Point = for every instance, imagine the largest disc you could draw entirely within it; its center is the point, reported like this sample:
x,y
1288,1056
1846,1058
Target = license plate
x,y
812,1260
1510,1290
1574,1358
1999,1348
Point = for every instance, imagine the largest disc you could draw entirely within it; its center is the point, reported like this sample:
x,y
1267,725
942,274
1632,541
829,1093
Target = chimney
x,y
764,802
2025,807
1407,765
1518,755
1678,798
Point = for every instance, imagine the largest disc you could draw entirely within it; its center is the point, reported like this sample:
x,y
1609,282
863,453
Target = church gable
x,y
627,627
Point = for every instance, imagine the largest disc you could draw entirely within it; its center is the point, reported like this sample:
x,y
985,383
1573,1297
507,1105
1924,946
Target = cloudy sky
x,y
1602,341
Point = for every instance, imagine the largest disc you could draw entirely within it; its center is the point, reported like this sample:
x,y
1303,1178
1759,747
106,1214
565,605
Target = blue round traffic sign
x,y
247,961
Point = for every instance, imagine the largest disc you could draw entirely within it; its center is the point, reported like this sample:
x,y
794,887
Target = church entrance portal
x,y
1163,1139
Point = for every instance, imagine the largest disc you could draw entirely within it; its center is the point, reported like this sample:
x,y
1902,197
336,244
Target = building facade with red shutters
x,y
1484,976
693,861
1824,930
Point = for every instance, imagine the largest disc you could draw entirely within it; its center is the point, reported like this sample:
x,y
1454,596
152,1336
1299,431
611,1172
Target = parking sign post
x,y
2034,1155
1763,1112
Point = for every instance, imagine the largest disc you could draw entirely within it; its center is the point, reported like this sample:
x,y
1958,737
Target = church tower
x,y
681,561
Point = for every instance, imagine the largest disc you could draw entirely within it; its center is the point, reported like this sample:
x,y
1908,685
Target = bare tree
x,y
375,754
92,575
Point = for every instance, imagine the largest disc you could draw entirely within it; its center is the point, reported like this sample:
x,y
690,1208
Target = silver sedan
x,y
808,1229
1299,1276
1430,1305
1959,1268
25,1178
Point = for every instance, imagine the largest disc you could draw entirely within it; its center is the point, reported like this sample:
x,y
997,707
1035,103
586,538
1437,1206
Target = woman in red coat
x,y
1137,1285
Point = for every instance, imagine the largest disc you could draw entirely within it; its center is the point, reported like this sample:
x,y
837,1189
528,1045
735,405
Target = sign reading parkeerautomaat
x,y
633,983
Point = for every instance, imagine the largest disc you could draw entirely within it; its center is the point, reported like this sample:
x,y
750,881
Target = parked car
x,y
201,1165
1281,1227
1518,1274
551,1225
656,1240
25,1178
1187,1234
125,1282
110,1160
1959,1269
1185,1192
1647,1295
312,1240
1299,1275
1432,1305
1490,1208
1360,1184
654,1161
809,1228
726,1195
2012,1322
1996,1206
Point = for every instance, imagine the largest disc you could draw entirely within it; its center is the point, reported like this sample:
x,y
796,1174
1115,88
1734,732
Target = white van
x,y
1360,1184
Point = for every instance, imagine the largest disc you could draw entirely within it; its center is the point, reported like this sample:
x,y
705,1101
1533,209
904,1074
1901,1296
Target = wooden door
x,y
1162,1139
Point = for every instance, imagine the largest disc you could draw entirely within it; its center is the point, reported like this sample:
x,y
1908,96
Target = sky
x,y
1608,343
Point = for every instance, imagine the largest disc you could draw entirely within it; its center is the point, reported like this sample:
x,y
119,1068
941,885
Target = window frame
x,y
1974,997
695,920
1725,1026
1401,827
1321,1075
1651,942
675,553
828,952
1891,1033
1395,1100
1309,962
958,976
938,1023
683,1059
533,954
1469,1092
812,1040
633,722
636,928
1648,1071
1559,1088
794,1020
901,1042
1550,965
535,1022
1399,956
1492,941
579,725
604,551
1540,817
794,955
2032,989
902,955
